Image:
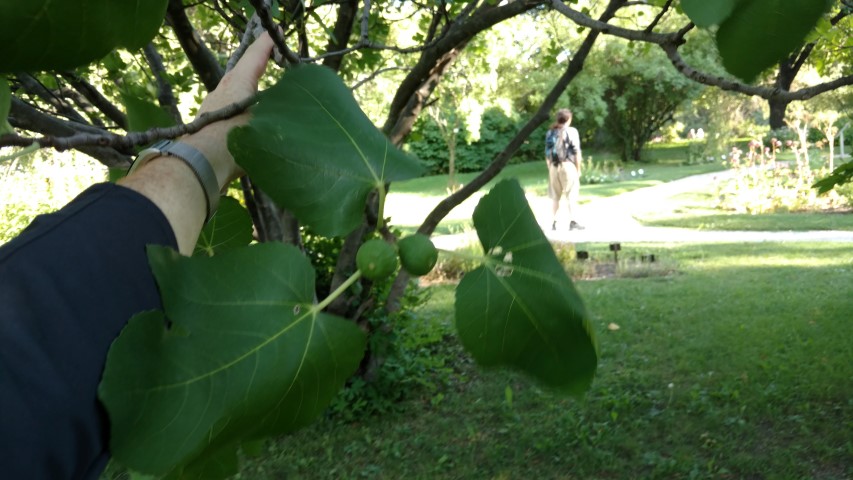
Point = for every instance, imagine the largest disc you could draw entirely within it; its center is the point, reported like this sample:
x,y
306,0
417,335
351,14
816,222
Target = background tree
x,y
824,51
642,96
445,115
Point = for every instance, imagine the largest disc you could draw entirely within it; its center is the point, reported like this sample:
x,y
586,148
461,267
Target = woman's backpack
x,y
559,147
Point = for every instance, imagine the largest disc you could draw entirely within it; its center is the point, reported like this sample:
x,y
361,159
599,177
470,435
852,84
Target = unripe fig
x,y
417,254
376,259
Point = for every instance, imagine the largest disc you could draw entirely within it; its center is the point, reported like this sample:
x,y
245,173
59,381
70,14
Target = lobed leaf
x,y
519,308
62,34
143,115
229,228
234,365
760,33
841,175
705,14
754,35
311,148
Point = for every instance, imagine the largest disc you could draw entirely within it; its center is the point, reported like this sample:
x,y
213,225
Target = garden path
x,y
612,219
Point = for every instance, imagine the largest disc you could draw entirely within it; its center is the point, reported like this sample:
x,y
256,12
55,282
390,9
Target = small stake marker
x,y
615,247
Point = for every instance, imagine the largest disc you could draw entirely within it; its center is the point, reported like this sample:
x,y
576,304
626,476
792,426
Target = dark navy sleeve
x,y
68,284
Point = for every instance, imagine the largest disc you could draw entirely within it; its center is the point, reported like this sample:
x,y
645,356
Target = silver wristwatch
x,y
194,159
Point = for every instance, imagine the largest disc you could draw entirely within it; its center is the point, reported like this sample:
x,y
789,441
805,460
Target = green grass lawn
x,y
533,177
409,202
765,222
733,362
697,210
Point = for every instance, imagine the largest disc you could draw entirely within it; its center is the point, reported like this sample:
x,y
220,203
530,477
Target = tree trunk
x,y
339,39
784,79
778,107
636,149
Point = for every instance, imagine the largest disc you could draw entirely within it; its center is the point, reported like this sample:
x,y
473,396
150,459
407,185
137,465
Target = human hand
x,y
238,84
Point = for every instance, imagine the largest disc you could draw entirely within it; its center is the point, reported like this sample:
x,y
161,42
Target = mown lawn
x,y
728,361
697,210
409,202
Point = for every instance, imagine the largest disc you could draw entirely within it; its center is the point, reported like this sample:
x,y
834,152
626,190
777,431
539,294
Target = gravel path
x,y
612,220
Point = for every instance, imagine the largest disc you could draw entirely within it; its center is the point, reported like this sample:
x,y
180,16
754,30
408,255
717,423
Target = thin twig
x,y
376,74
96,98
132,139
263,11
248,36
165,94
659,16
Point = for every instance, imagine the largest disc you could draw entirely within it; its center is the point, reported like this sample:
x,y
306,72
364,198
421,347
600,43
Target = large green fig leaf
x,y
754,35
62,34
230,227
311,148
142,114
705,14
841,175
245,355
520,308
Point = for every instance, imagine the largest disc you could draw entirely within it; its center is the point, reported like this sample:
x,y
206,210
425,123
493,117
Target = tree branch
x,y
204,62
374,75
249,35
25,117
83,104
36,88
410,94
608,29
659,16
439,14
263,10
75,138
338,40
97,99
766,93
294,10
670,43
165,95
797,63
236,20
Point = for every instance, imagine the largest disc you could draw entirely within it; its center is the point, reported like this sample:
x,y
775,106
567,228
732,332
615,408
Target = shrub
x,y
496,131
599,172
453,267
771,187
409,350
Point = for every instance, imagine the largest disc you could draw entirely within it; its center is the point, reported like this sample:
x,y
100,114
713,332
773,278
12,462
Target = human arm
x,y
71,281
170,184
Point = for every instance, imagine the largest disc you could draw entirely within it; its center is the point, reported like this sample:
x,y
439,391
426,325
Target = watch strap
x,y
194,159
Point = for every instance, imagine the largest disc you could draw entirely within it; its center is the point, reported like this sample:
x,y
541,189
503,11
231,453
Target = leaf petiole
x,y
20,153
337,293
383,194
